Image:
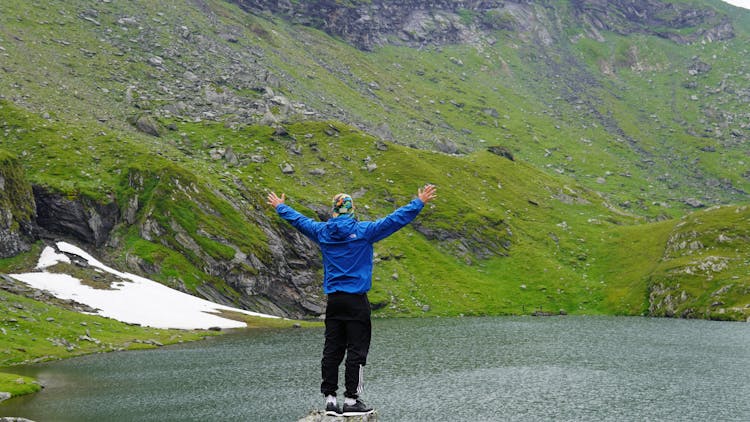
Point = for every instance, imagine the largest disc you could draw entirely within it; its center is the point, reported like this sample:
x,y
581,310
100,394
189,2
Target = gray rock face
x,y
13,239
695,203
644,16
279,278
17,210
501,151
418,22
370,24
147,125
82,218
290,279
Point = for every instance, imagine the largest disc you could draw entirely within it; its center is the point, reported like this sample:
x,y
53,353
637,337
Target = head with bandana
x,y
342,204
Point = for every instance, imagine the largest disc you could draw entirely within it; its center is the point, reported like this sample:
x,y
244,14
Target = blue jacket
x,y
346,244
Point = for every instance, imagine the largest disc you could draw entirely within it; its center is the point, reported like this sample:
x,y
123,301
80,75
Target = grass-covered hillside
x,y
181,115
645,101
704,268
503,238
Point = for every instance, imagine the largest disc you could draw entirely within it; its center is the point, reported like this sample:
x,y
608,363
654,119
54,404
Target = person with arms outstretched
x,y
347,248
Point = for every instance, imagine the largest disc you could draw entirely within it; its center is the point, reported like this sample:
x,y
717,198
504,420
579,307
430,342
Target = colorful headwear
x,y
342,204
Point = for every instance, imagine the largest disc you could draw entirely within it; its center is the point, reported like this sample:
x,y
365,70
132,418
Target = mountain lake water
x,y
435,369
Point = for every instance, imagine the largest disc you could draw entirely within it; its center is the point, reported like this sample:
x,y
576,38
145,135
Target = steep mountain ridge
x,y
552,81
372,24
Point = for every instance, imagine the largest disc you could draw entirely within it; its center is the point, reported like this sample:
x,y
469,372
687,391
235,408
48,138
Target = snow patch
x,y
136,300
49,258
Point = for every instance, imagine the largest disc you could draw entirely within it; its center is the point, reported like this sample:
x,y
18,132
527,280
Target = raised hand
x,y
274,200
427,193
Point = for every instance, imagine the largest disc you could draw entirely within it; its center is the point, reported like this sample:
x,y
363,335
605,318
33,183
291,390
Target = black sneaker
x,y
357,409
333,410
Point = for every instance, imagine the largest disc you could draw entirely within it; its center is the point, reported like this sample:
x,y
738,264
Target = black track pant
x,y
348,331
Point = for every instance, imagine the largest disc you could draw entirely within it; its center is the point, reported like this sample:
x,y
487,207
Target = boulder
x,y
287,168
148,126
317,172
156,61
501,151
695,203
231,157
447,146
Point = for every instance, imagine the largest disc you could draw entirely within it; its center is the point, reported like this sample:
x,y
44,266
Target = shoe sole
x,y
358,413
332,413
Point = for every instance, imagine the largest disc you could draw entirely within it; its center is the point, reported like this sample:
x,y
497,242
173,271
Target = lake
x,y
437,369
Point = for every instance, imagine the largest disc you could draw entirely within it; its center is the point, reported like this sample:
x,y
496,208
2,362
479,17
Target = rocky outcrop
x,y
667,301
490,238
501,151
654,17
418,22
370,24
279,278
296,263
17,208
275,274
81,218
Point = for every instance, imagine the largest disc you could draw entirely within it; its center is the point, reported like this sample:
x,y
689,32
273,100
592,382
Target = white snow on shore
x,y
739,3
135,299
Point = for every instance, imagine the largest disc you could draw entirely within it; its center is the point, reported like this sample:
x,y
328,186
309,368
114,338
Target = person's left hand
x,y
427,193
274,200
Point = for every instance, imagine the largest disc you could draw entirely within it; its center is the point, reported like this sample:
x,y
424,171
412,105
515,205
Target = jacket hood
x,y
341,227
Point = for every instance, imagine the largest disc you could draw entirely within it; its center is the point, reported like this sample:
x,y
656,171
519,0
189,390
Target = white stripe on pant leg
x,y
361,384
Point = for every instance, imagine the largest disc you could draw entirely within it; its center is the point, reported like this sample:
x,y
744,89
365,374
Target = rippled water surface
x,y
443,369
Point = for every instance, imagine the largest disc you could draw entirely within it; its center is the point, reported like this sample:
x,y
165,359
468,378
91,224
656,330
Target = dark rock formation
x,y
654,17
279,276
81,218
148,126
370,24
287,284
417,22
501,151
17,209
489,239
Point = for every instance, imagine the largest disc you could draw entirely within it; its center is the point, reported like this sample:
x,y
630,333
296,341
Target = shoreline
x,y
101,335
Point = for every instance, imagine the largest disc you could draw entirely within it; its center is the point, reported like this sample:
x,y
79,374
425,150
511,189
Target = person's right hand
x,y
427,193
274,200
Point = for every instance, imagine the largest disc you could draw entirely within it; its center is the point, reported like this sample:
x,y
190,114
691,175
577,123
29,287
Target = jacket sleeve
x,y
391,223
305,225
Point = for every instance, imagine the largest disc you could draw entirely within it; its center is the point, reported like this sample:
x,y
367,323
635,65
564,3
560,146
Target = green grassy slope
x,y
623,116
503,238
31,331
704,269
